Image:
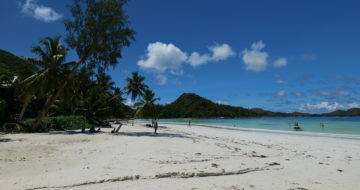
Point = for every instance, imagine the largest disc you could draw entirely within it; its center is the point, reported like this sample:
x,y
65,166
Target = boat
x,y
297,127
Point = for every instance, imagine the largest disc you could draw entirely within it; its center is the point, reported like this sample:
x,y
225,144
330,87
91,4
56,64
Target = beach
x,y
178,157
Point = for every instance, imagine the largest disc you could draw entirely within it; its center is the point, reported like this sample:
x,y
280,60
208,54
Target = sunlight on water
x,y
334,125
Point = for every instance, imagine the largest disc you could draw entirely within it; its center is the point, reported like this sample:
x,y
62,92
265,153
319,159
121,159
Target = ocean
x,y
332,125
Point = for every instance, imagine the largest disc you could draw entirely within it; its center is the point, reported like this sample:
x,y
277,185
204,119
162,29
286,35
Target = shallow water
x,y
333,125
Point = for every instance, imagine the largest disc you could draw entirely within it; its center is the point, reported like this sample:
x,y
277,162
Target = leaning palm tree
x,y
135,86
147,108
43,83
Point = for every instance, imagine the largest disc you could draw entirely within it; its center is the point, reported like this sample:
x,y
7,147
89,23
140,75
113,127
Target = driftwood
x,y
117,129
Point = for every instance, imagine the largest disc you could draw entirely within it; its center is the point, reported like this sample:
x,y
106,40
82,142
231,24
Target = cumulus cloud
x,y
218,53
162,79
162,57
281,62
255,59
308,57
221,52
39,12
279,81
354,105
196,59
177,72
222,102
281,93
331,94
323,106
327,106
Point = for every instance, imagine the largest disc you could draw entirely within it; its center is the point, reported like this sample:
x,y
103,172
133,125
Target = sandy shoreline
x,y
179,157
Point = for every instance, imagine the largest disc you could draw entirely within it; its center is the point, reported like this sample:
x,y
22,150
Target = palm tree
x,y
147,107
43,83
98,31
135,86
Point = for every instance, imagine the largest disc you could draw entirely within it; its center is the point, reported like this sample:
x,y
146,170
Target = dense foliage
x,y
11,65
49,85
192,105
147,108
91,95
97,31
58,123
349,112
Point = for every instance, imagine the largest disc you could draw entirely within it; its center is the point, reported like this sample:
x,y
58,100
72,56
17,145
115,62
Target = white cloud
x,y
281,62
222,102
196,59
221,52
128,102
162,79
40,12
177,72
343,93
255,59
354,105
331,93
281,93
309,57
327,106
298,94
322,106
279,81
218,53
162,57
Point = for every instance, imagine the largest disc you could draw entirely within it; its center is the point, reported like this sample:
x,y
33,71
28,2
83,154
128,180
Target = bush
x,y
11,128
59,123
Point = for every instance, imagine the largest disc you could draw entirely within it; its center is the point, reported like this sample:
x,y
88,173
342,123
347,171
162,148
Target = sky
x,y
279,55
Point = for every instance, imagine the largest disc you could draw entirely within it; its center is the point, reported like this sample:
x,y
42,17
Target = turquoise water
x,y
333,125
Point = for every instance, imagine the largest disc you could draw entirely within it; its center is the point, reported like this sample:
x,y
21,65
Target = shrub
x,y
11,127
58,123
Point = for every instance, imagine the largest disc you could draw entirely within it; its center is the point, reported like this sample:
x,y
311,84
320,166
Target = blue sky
x,y
279,55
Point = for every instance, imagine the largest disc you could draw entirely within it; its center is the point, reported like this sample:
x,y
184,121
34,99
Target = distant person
x,y
155,126
322,125
189,123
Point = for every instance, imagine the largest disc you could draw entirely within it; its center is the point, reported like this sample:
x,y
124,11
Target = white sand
x,y
180,157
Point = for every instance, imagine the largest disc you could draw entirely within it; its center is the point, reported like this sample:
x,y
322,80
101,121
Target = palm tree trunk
x,y
51,101
23,109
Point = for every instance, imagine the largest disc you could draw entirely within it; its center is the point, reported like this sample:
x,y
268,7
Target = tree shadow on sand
x,y
5,140
70,133
150,134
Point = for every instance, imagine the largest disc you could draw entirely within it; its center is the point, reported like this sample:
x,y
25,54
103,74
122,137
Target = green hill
x,y
192,105
11,65
266,113
349,112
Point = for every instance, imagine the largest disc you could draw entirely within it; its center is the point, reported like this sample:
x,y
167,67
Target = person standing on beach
x,y
189,123
155,126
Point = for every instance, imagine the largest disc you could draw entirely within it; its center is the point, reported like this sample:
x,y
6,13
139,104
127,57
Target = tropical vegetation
x,y
37,94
